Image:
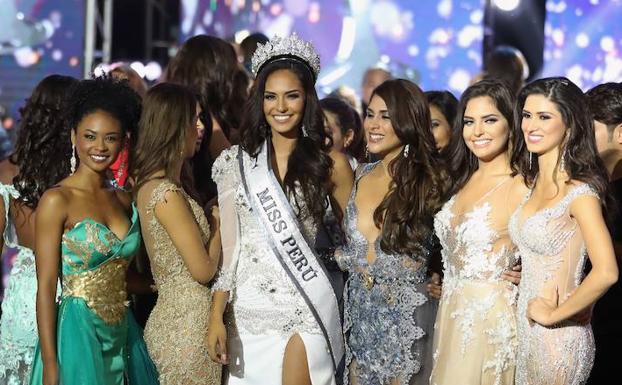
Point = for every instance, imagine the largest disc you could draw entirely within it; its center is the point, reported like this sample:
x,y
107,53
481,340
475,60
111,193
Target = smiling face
x,y
485,130
98,140
379,133
542,125
284,102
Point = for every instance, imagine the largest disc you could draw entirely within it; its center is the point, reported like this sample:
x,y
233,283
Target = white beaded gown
x,y
267,309
553,256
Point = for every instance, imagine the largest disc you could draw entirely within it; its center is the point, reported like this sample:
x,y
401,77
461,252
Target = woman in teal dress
x,y
86,233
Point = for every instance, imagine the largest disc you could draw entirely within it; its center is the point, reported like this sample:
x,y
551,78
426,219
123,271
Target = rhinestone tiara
x,y
291,47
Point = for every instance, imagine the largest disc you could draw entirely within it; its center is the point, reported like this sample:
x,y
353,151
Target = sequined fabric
x,y
177,327
18,325
103,289
385,305
264,299
553,256
475,330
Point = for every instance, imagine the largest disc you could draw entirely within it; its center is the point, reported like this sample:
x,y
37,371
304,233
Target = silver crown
x,y
291,46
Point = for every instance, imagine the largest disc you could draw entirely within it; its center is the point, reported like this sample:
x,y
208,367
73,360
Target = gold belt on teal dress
x,y
103,289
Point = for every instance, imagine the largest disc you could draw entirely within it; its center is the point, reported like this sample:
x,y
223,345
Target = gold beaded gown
x,y
176,330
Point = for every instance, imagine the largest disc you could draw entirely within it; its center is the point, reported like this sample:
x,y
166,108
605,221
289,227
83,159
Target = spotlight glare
x,y
506,5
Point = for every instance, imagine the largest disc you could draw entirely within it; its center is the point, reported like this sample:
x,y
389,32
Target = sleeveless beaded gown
x,y
553,255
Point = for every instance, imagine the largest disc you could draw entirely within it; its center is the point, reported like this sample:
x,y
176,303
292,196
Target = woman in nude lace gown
x,y
558,225
475,332
184,253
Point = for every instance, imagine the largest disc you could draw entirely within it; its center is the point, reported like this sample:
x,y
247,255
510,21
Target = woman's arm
x,y
587,211
343,179
177,219
50,220
217,332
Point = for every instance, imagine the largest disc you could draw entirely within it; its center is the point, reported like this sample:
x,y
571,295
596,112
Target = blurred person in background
x,y
443,108
605,103
372,78
344,126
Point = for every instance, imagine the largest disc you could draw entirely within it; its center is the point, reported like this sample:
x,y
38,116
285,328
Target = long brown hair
x,y
418,187
168,111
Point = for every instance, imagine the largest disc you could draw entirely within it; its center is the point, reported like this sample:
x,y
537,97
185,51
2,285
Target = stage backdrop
x,y
436,43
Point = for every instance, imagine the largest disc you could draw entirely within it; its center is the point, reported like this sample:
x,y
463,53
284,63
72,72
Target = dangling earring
x,y
304,131
73,161
562,164
406,150
530,159
366,153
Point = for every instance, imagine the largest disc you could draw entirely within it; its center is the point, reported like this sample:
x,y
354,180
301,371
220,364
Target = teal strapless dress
x,y
98,341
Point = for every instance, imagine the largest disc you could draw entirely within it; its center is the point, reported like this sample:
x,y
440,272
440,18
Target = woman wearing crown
x,y
273,192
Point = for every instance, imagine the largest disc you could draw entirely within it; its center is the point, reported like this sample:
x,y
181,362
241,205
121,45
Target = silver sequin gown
x,y
553,256
389,317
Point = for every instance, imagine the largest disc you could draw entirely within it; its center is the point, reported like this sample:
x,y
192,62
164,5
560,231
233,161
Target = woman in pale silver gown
x,y
558,225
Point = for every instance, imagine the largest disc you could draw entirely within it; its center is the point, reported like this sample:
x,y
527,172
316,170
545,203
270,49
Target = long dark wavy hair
x,y
43,145
209,67
462,162
581,159
168,112
309,164
418,185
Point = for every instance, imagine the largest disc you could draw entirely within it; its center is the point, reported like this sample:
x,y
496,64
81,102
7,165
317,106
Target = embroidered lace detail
x,y
475,334
263,296
177,327
18,325
553,256
383,302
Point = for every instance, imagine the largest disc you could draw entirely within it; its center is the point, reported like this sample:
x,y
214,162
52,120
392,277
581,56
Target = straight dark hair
x,y
581,159
462,162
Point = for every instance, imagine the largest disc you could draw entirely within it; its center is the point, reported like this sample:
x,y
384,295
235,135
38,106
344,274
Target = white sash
x,y
291,248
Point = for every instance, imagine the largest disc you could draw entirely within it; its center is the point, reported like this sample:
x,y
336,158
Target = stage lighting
x,y
506,5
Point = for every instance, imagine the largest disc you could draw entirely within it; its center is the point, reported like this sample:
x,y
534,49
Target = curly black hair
x,y
42,141
107,94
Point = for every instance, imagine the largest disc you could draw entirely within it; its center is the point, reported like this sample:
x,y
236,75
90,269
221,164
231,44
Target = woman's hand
x,y
217,341
435,288
541,310
513,275
50,373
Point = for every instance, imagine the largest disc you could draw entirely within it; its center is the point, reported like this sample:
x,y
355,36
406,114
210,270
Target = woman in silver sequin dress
x,y
388,224
558,225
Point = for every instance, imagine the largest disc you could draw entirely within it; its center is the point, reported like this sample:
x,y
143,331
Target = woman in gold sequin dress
x,y
86,232
184,253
